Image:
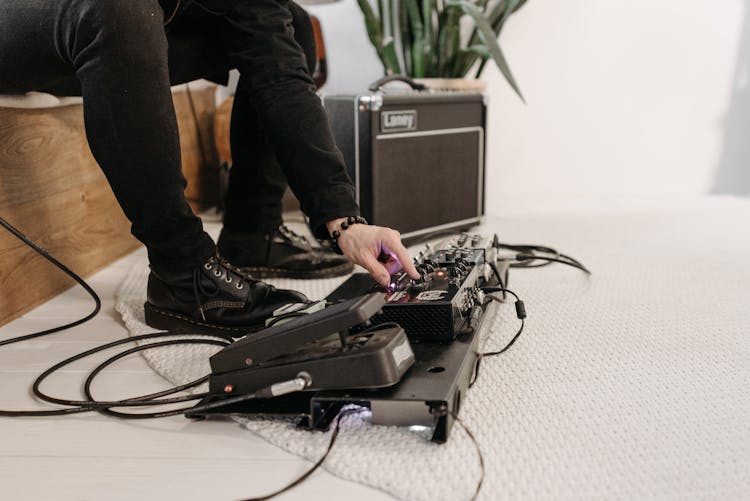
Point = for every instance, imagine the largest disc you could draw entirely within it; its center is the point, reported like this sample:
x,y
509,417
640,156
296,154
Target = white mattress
x,y
632,384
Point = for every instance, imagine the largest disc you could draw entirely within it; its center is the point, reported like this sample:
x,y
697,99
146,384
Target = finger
x,y
393,265
377,270
395,246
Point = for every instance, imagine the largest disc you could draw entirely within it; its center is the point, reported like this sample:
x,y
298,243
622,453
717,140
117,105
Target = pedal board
x,y
428,394
413,372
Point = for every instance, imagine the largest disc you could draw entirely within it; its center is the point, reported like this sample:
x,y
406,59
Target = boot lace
x,y
291,235
222,270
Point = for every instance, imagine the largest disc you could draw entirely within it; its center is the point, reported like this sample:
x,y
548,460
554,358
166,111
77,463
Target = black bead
x,y
336,234
344,225
351,220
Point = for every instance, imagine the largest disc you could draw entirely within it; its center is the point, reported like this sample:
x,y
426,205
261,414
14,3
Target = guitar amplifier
x,y
416,158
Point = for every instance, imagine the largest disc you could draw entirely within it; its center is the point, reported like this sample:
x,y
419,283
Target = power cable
x,y
46,255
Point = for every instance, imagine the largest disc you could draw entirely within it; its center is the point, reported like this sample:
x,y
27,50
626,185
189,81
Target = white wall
x,y
623,98
352,62
641,97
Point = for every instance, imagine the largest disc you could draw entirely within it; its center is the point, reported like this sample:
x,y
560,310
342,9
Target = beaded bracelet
x,y
344,225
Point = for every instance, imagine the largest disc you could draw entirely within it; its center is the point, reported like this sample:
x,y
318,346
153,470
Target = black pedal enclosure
x,y
367,360
434,319
331,367
456,312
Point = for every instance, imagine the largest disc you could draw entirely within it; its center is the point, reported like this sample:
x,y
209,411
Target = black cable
x,y
529,253
73,406
77,406
378,327
46,255
527,248
535,257
520,313
173,14
479,453
146,400
317,465
153,398
502,282
481,356
136,401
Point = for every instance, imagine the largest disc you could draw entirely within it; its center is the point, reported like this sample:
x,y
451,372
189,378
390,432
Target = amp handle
x,y
377,84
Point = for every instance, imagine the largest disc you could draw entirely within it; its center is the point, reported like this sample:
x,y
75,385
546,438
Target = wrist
x,y
339,226
334,225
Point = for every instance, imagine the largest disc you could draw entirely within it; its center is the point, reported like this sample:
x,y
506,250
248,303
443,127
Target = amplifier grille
x,y
420,181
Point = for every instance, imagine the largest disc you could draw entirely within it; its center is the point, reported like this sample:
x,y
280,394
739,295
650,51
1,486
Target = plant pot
x,y
453,84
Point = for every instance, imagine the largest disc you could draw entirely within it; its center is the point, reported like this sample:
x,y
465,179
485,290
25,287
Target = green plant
x,y
424,38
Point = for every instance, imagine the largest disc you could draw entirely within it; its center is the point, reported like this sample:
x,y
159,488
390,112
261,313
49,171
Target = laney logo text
x,y
392,121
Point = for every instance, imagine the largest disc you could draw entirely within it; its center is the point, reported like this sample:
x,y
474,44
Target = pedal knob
x,y
417,286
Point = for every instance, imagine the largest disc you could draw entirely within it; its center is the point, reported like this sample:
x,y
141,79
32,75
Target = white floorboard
x,y
93,457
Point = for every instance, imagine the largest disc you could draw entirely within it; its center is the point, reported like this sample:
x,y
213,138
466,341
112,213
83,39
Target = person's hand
x,y
377,249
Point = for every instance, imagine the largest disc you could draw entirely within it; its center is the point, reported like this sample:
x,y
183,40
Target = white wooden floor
x,y
93,457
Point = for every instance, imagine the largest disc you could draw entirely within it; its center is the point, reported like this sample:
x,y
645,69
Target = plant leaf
x,y
372,24
479,50
406,38
510,8
487,36
496,17
427,46
450,40
398,45
417,30
390,58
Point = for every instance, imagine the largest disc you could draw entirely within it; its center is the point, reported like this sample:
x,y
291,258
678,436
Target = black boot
x,y
213,298
281,253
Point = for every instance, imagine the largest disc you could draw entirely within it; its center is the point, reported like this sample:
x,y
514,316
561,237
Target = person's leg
x,y
118,53
256,181
253,235
28,57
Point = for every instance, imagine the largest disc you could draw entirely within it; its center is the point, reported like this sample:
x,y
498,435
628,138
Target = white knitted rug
x,y
632,384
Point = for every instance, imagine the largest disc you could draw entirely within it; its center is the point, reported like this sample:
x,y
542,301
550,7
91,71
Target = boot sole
x,y
176,322
266,272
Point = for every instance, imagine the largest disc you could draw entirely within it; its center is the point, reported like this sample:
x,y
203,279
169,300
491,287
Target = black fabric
x,y
122,60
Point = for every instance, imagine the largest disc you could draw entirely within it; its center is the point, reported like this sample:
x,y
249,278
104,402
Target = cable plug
x,y
299,383
520,310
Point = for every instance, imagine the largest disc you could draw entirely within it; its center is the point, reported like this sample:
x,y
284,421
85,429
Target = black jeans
x,y
121,59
